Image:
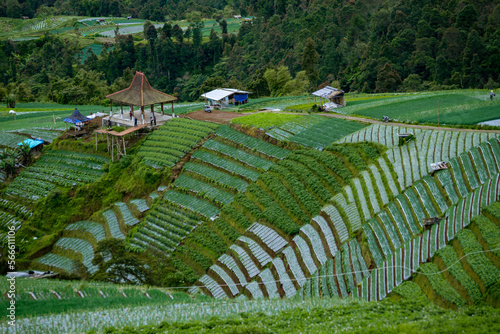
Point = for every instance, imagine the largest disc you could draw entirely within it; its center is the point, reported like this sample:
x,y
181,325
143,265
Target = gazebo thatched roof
x,y
140,93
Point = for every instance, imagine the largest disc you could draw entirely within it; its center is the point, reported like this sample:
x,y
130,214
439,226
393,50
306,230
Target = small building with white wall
x,y
223,97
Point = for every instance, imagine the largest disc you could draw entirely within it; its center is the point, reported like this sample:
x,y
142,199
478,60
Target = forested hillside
x,y
361,46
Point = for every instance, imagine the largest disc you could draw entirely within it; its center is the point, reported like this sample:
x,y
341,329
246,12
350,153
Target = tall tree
x,y
223,26
388,79
310,59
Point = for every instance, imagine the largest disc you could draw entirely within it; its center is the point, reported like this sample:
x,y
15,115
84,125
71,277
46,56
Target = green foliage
x,y
478,262
280,82
116,265
452,262
440,285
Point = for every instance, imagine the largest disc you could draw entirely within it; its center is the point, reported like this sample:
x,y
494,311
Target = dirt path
x,y
217,116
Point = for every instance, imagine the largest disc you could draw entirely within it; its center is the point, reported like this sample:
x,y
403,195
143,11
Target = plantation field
x,y
57,169
172,141
455,107
50,296
390,225
266,120
339,217
276,316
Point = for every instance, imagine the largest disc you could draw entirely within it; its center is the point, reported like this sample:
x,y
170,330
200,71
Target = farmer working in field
x,y
491,95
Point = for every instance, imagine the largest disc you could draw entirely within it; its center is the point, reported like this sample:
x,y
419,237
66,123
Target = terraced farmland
x,y
217,172
57,169
310,178
80,239
169,143
462,272
394,235
429,146
314,131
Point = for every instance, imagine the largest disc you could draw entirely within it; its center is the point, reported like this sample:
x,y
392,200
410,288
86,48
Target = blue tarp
x,y
240,97
31,142
76,118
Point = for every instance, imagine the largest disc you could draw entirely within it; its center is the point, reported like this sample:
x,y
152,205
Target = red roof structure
x,y
140,93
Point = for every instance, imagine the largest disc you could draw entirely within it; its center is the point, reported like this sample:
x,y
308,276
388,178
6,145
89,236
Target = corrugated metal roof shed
x,y
326,92
221,93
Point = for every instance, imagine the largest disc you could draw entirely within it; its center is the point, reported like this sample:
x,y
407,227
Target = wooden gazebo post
x,y
162,111
173,113
152,112
143,114
121,110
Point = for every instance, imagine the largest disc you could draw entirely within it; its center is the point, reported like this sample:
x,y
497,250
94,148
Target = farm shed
x,y
222,97
141,94
334,96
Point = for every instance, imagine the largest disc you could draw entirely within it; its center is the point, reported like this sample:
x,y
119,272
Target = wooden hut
x,y
334,96
140,94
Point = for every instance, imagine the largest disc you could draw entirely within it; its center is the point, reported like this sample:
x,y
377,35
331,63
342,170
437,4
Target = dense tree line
x,y
289,47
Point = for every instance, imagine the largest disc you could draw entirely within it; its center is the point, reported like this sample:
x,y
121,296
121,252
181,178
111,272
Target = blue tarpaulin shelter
x,y
240,97
76,118
31,142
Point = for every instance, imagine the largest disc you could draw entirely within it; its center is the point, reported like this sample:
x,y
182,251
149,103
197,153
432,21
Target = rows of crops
x,y
167,145
313,131
307,177
110,32
11,140
218,171
45,24
462,272
325,133
291,128
429,146
80,239
57,169
12,214
388,231
405,261
47,135
433,241
164,227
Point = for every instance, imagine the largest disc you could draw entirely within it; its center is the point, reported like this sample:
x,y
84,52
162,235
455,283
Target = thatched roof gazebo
x,y
141,94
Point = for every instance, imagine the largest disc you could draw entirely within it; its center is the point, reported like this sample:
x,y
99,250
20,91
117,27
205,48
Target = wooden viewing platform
x,y
121,134
115,140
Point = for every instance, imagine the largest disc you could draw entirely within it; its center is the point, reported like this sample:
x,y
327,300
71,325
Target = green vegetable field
x,y
311,220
